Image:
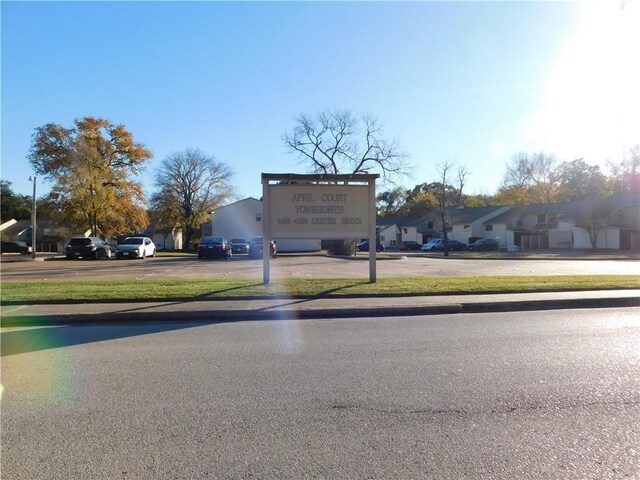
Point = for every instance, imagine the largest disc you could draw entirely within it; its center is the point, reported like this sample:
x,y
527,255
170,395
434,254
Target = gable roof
x,y
393,220
470,215
16,228
239,201
613,203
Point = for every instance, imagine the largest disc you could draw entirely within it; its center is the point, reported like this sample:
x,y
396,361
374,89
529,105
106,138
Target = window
x,y
488,228
404,230
552,218
467,227
258,217
382,238
542,218
430,225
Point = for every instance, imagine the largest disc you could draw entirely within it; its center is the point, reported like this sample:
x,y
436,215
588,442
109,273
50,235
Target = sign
x,y
319,211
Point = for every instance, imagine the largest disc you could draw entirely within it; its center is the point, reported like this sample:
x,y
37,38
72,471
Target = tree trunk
x,y
445,237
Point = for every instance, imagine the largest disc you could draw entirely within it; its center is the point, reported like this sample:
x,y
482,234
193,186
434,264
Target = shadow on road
x,y
33,340
13,342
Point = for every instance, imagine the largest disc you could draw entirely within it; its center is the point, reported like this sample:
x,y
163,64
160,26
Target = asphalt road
x,y
552,394
303,266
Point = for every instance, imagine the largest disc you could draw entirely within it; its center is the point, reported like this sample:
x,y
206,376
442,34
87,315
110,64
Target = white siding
x,y
388,236
238,220
243,219
608,238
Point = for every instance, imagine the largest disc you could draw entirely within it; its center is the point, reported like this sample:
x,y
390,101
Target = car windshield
x,y
213,240
238,240
80,241
133,241
256,240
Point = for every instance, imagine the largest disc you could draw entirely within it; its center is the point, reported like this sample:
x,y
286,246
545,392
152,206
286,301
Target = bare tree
x,y
338,142
534,177
190,184
462,173
444,173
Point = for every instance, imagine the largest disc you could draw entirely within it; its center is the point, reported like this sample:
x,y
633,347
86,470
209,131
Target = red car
x,y
410,245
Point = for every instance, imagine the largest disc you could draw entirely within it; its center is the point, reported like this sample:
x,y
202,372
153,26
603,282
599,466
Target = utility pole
x,y
33,219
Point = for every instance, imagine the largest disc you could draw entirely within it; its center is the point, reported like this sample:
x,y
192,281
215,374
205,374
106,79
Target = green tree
x,y
91,167
189,185
13,205
390,201
578,180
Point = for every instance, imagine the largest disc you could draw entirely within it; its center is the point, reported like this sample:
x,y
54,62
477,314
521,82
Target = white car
x,y
435,244
136,247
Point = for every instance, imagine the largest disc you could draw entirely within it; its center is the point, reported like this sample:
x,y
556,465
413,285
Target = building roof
x,y
393,220
239,201
12,231
470,215
565,209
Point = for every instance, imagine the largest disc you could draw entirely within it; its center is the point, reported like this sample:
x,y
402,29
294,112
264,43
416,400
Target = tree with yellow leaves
x,y
92,167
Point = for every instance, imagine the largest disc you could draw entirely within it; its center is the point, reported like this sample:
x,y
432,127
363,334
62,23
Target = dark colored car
x,y
239,245
410,245
437,244
15,247
364,247
214,247
455,245
87,247
255,248
484,244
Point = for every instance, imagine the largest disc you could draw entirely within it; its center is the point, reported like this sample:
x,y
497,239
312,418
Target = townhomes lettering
x,y
309,210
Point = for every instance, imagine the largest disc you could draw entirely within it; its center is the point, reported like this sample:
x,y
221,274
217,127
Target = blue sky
x,y
474,82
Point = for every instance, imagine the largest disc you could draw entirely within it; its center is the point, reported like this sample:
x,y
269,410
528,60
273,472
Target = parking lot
x,y
292,266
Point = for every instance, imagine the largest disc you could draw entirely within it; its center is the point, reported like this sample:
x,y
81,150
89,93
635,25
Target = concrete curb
x,y
214,315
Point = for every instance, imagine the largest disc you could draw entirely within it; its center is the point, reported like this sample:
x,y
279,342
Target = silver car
x,y
136,247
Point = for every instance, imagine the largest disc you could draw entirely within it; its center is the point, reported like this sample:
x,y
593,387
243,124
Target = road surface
x,y
552,394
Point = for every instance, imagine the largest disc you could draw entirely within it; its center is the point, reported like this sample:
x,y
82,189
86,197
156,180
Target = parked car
x,y
484,244
15,247
434,245
214,247
88,247
255,248
239,245
136,247
438,245
364,247
410,245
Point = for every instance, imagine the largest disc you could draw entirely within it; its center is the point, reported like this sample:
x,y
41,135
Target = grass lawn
x,y
15,293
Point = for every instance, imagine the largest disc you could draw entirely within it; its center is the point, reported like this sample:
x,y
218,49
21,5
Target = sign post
x,y
319,207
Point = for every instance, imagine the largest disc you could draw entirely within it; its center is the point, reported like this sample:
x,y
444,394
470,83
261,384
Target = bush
x,y
339,247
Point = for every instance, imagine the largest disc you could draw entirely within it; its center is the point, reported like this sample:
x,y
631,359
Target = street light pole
x,y
33,219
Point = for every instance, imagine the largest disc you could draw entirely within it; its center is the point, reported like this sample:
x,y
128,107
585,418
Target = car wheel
x,y
96,254
69,257
433,249
144,254
153,253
